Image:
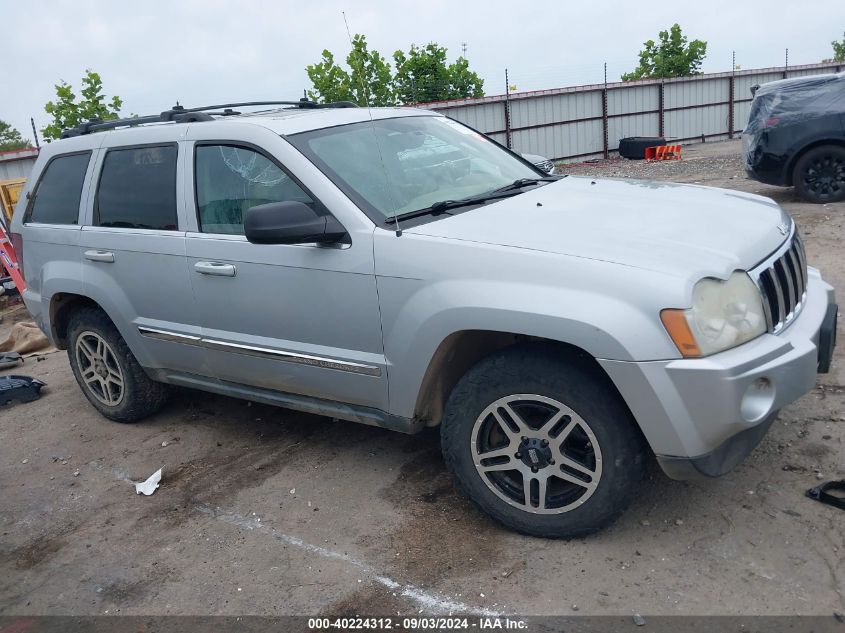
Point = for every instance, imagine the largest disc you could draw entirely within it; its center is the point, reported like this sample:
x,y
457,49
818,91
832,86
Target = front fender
x,y
419,316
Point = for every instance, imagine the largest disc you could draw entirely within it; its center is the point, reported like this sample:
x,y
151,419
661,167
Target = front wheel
x,y
541,445
819,175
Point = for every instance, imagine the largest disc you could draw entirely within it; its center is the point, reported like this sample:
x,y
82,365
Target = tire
x,y
106,370
634,146
819,175
537,385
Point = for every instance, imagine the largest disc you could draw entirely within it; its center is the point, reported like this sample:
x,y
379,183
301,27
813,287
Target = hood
x,y
687,230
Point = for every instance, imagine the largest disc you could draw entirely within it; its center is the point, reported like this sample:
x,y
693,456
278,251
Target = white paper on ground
x,y
148,487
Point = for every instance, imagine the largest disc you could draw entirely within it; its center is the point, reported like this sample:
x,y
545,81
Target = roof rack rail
x,y
180,114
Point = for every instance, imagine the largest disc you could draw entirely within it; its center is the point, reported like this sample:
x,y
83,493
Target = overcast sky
x,y
210,51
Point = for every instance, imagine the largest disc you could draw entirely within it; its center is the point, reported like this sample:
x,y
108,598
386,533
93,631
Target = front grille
x,y
783,283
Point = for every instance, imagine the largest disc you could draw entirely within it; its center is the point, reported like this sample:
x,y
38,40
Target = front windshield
x,y
426,159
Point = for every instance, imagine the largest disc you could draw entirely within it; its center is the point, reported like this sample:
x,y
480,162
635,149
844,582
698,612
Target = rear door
x,y
133,248
301,319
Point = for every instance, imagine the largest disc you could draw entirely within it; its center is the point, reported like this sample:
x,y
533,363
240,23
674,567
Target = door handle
x,y
100,256
215,268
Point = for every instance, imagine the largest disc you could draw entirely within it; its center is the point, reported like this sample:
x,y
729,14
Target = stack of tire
x,y
634,147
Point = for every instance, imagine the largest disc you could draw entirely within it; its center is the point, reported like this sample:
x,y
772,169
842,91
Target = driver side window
x,y
230,179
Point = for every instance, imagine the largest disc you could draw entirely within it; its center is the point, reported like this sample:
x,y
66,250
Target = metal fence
x,y
583,122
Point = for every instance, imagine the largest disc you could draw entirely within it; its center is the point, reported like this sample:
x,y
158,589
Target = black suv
x,y
796,136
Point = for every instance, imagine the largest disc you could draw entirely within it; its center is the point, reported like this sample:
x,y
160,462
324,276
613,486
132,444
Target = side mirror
x,y
290,223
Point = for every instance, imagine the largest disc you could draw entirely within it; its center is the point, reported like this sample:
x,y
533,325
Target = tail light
x,y
771,121
17,247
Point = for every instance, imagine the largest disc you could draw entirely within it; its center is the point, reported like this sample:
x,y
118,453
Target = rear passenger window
x,y
59,190
230,180
137,189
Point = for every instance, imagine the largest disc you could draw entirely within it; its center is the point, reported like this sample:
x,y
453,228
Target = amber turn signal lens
x,y
675,322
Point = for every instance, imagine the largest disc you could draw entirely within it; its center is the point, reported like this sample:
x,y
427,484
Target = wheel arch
x,y
462,350
62,307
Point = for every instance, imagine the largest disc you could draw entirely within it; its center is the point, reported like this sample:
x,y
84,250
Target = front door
x,y
299,319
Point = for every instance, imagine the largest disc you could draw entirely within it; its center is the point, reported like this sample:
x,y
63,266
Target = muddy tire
x,y
106,370
542,444
819,175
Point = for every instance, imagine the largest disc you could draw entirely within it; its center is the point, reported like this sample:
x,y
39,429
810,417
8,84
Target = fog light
x,y
757,400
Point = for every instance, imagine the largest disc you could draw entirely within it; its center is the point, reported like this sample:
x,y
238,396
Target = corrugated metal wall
x,y
587,121
19,168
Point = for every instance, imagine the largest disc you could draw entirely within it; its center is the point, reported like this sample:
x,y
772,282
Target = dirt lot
x,y
265,511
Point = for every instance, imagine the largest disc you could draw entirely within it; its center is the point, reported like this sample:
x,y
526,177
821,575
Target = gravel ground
x,y
265,511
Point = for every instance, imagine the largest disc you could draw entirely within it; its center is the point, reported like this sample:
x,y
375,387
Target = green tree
x,y
11,139
68,112
423,75
839,50
672,56
368,78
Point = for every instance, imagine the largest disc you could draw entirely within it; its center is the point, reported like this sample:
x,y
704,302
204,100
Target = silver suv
x,y
396,268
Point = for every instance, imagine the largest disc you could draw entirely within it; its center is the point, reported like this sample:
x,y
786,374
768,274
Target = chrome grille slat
x,y
797,277
786,278
782,280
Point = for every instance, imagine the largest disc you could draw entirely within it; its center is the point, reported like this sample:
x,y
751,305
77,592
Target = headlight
x,y
724,314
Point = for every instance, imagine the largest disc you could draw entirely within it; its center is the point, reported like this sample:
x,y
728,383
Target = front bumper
x,y
704,416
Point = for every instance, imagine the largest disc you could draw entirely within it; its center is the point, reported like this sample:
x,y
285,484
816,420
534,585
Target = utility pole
x,y
464,49
731,123
507,110
786,64
604,124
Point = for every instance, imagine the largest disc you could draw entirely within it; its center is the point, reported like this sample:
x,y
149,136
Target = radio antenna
x,y
366,94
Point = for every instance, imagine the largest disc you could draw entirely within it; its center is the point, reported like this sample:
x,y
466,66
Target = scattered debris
x,y
10,359
840,617
820,493
149,486
792,468
639,620
20,388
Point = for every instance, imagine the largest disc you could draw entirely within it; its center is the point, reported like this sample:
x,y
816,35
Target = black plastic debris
x,y
20,388
10,359
820,493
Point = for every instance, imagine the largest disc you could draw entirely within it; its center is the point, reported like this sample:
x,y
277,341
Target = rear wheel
x,y
819,175
543,446
106,370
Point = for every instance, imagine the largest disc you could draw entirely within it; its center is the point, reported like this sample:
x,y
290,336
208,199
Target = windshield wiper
x,y
439,208
519,183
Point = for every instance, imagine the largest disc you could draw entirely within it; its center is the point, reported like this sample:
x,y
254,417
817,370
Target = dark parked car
x,y
796,136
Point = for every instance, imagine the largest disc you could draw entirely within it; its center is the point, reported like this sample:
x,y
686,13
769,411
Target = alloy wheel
x,y
824,177
536,454
98,366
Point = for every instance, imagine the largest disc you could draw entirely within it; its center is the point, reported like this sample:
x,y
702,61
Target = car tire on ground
x,y
528,413
819,175
634,146
106,370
